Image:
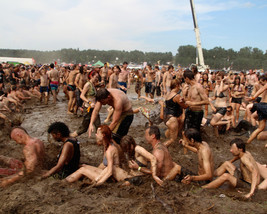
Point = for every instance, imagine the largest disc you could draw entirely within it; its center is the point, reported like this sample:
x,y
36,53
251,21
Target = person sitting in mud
x,y
138,159
88,96
110,165
33,152
123,114
166,168
195,100
192,140
20,94
69,156
249,169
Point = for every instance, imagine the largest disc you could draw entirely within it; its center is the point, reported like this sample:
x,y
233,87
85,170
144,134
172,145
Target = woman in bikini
x,y
110,165
173,112
237,91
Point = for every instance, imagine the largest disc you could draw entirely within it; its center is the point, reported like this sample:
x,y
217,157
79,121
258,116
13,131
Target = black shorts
x,y
236,100
123,128
221,110
193,119
148,87
262,111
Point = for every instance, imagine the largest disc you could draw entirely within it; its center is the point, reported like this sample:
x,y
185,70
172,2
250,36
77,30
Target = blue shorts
x,y
123,84
44,89
54,87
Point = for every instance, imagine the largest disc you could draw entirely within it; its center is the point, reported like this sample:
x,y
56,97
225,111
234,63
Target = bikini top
x,y
221,95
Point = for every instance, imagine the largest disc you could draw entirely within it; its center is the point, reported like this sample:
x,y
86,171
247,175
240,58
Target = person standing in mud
x,y
192,140
150,81
88,96
124,77
54,77
123,114
248,166
71,88
104,74
44,90
80,81
167,78
195,100
69,156
33,152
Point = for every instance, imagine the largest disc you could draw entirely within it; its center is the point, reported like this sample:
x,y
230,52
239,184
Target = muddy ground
x,y
52,196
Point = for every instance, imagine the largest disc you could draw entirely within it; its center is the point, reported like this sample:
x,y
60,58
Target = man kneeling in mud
x,y
250,170
192,140
33,151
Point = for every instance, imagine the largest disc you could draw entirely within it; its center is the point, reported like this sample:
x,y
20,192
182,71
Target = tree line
x,y
216,58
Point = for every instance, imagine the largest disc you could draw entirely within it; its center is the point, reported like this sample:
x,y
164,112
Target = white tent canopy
x,y
26,61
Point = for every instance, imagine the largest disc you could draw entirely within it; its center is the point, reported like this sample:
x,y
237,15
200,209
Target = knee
x,y
225,176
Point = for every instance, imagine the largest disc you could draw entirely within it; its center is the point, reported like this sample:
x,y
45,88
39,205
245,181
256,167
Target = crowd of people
x,y
185,100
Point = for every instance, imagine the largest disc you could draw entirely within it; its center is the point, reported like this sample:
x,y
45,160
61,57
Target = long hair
x,y
107,135
127,143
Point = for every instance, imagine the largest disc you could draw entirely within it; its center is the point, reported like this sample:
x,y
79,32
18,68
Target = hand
x,y
158,180
187,179
181,141
45,174
90,130
3,183
161,102
248,195
133,164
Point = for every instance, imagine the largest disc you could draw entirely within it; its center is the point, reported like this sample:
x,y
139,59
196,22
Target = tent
x,y
98,64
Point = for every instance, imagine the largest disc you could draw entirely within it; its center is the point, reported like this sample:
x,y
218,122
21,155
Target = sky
x,y
145,25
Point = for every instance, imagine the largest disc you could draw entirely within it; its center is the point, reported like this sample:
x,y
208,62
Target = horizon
x,y
148,26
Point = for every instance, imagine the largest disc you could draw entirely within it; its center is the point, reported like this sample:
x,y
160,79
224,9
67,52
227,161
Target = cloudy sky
x,y
146,25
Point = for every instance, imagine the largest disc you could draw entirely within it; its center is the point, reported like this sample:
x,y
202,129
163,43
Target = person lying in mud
x,y
154,116
69,156
123,114
249,171
33,152
166,168
192,140
110,165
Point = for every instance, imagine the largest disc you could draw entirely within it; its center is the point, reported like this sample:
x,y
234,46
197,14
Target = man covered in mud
x,y
196,98
54,77
33,152
166,168
249,170
123,114
124,77
69,156
192,140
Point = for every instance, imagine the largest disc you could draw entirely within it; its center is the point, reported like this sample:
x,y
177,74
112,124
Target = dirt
x,y
33,195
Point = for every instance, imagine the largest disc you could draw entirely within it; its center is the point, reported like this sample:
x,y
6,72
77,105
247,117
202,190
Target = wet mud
x,y
33,195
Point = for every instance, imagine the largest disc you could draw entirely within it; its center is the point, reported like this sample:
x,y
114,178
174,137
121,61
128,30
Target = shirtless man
x,y
251,79
192,140
71,88
54,78
33,151
123,114
44,84
248,167
20,95
150,81
104,74
124,76
113,79
166,168
80,81
195,100
262,112
167,78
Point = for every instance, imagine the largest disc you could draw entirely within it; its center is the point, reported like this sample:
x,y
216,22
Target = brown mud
x,y
33,195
